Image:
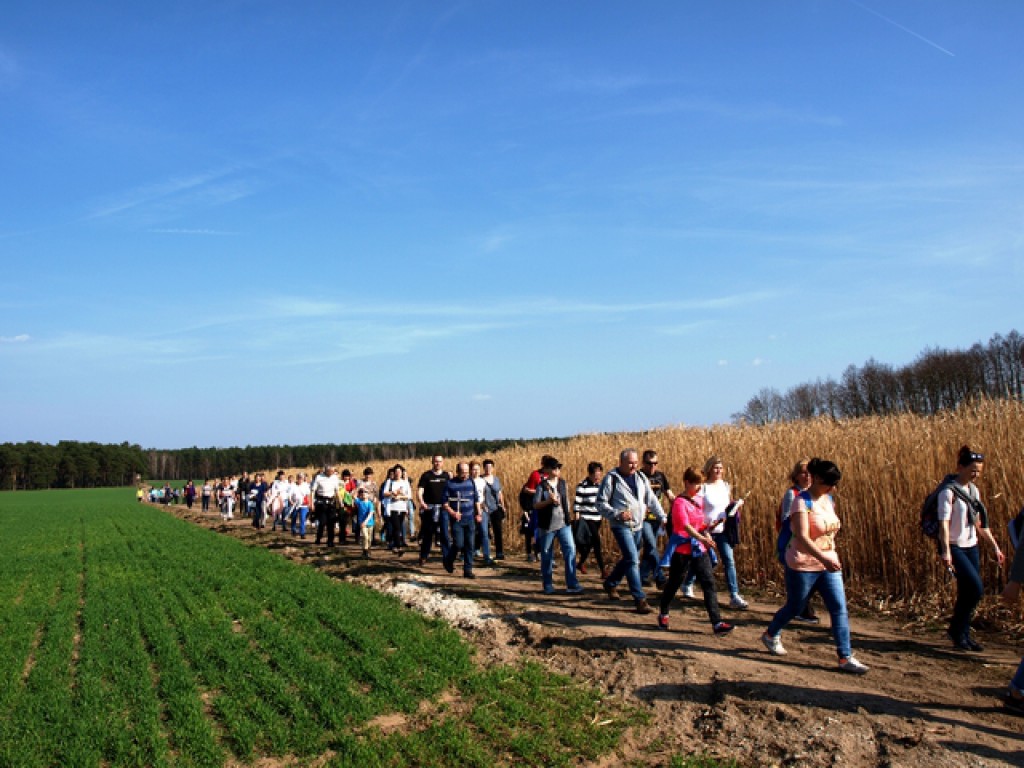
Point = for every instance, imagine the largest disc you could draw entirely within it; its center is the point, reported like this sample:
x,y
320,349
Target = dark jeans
x,y
429,529
700,567
589,537
462,543
969,589
649,561
497,531
206,503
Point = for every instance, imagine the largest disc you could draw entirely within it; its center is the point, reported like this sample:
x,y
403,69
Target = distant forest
x,y
937,380
71,464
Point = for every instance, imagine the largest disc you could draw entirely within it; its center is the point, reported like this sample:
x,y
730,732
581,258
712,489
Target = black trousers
x,y
589,538
701,567
326,518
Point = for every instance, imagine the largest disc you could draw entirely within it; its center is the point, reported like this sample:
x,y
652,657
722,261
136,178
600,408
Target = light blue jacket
x,y
615,497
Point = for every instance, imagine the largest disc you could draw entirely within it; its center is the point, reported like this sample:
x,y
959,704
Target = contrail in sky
x,y
900,26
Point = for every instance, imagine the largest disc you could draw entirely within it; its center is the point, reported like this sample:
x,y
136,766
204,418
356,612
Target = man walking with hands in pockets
x,y
624,498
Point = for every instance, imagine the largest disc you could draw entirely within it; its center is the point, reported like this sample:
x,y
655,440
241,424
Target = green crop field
x,y
129,637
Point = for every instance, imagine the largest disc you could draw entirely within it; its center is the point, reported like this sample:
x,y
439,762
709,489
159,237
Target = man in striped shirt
x,y
588,531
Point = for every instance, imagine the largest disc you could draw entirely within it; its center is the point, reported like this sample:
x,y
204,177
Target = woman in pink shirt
x,y
691,546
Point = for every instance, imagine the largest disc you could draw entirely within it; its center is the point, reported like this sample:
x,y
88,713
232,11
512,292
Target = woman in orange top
x,y
812,562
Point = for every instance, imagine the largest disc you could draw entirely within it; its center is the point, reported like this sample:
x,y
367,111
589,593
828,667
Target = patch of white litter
x,y
432,601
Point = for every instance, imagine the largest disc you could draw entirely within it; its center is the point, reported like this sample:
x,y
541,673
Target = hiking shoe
x,y
660,584
852,666
965,643
773,644
807,619
613,593
642,606
688,591
738,603
722,628
500,556
663,620
578,589
469,575
549,590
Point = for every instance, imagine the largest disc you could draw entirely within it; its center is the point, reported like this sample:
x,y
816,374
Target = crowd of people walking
x,y
668,541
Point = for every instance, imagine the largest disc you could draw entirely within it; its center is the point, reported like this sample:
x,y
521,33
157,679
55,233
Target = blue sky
x,y
230,223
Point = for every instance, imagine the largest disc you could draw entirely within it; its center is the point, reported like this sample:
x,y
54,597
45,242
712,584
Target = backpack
x,y
930,507
786,531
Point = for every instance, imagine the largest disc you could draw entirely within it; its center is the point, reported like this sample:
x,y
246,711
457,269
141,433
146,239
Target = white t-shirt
x,y
481,488
954,509
299,491
326,485
716,499
400,489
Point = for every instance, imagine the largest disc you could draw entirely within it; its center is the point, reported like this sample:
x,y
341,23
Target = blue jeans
x,y
462,542
830,586
969,589
300,514
649,564
483,533
547,552
629,564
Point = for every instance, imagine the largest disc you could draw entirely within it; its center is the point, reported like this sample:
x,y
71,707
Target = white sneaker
x,y
773,644
852,666
688,591
738,603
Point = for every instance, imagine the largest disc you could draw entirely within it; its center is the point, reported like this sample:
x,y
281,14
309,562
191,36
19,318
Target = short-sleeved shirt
x,y
433,485
492,490
823,524
685,512
954,509
659,484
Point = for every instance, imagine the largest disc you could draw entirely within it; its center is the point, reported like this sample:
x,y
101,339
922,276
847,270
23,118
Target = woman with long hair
x,y
812,562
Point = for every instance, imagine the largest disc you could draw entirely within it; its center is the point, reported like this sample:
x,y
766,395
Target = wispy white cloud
x,y
200,190
481,398
508,309
21,338
757,362
495,242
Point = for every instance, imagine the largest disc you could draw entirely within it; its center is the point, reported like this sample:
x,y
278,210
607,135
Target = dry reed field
x,y
889,464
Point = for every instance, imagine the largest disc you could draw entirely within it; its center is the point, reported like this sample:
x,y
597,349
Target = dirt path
x,y
922,704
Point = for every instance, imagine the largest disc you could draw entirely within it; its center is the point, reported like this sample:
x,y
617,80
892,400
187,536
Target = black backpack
x,y
930,508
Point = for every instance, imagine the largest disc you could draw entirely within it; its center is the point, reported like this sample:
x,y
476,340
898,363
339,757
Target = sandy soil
x,y
922,704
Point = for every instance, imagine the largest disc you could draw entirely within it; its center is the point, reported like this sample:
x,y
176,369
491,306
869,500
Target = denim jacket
x,y
615,497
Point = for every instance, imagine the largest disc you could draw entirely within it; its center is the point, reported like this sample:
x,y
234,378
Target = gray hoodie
x,y
615,497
